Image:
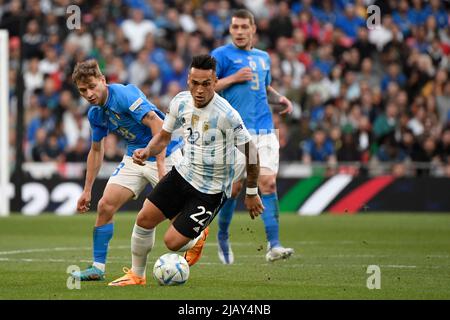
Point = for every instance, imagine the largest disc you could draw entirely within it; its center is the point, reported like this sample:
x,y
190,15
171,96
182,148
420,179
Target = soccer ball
x,y
171,269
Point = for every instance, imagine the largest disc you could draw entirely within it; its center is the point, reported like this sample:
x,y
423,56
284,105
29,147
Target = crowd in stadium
x,y
360,95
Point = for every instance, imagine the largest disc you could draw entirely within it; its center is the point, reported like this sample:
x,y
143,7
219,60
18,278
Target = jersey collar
x,y
108,98
234,46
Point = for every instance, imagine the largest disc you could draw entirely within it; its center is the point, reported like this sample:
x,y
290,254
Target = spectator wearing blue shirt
x,y
318,148
213,11
45,119
317,110
304,5
141,5
434,8
49,96
343,4
393,75
179,74
125,52
349,22
157,56
417,14
325,60
391,151
401,18
325,14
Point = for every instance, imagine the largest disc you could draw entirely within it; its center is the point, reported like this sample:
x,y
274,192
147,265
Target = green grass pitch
x,y
332,254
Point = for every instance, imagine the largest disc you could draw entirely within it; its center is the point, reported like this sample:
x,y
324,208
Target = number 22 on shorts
x,y
201,212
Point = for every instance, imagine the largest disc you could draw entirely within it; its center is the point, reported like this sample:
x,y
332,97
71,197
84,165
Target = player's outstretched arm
x,y
157,144
275,98
252,200
155,123
93,165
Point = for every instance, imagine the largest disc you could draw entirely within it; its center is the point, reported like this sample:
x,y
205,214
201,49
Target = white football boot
x,y
278,253
225,253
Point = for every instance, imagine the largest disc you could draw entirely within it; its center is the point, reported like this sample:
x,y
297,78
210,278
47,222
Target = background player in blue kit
x,y
126,111
244,80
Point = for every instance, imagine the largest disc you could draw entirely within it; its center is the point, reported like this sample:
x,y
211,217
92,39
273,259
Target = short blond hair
x,y
84,70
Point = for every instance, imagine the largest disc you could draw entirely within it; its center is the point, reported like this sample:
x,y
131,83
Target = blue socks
x,y
225,216
270,218
102,236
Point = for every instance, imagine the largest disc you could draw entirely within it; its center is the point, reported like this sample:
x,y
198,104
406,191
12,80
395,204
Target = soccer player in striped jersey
x,y
244,80
191,194
125,110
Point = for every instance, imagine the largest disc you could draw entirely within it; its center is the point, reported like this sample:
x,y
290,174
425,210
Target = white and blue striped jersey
x,y
211,134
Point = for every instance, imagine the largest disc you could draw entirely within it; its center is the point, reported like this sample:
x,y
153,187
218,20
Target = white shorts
x,y
135,177
268,151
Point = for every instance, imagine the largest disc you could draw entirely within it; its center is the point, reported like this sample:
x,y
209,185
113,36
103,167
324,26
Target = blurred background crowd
x,y
363,96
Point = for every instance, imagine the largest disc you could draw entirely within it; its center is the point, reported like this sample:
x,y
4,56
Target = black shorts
x,y
173,195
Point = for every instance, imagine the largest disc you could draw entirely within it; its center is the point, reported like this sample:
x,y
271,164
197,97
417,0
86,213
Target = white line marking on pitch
x,y
288,265
3,253
208,244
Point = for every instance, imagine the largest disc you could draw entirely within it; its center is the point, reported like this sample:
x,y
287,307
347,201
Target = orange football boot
x,y
193,255
128,279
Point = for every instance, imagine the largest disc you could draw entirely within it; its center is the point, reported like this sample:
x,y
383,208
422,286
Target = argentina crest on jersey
x,y
205,126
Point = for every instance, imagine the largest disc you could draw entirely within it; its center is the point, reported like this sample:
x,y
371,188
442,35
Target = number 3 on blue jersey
x,y
120,166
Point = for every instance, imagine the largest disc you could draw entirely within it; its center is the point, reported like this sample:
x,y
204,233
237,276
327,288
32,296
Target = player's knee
x,y
171,243
144,221
268,185
105,208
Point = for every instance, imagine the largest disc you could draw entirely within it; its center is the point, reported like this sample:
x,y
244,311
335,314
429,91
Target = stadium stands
x,y
378,99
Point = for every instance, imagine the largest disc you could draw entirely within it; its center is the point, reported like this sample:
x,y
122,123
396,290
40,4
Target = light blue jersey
x,y
248,98
211,134
123,113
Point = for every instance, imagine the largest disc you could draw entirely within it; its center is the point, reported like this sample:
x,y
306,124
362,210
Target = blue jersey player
x,y
125,110
244,80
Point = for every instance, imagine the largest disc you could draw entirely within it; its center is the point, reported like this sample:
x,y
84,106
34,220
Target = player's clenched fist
x,y
288,106
140,155
84,202
244,74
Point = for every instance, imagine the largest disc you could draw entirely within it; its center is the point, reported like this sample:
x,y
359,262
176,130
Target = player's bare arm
x,y
93,165
156,145
274,97
244,74
252,200
155,123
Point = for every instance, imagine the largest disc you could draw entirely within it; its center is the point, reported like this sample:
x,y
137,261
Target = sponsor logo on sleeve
x,y
239,127
136,104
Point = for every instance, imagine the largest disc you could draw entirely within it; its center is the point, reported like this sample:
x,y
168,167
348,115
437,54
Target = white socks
x,y
190,244
142,241
99,265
